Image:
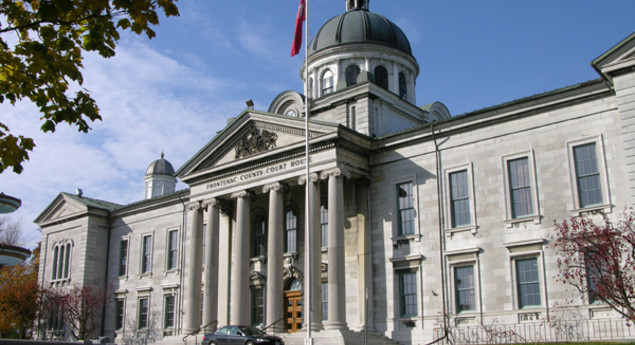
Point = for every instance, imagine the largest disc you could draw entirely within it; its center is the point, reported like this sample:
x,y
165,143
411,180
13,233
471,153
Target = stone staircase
x,y
338,337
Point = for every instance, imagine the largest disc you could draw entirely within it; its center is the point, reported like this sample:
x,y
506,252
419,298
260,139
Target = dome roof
x,y
160,167
360,26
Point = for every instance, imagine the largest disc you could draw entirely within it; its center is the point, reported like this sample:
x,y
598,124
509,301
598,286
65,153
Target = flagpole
x,y
307,216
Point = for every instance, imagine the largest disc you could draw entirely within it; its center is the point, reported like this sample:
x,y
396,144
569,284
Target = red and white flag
x,y
299,20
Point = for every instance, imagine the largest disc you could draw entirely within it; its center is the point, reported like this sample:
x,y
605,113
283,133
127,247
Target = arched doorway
x,y
293,306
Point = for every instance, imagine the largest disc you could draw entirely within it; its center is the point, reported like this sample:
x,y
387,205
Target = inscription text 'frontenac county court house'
x,y
273,169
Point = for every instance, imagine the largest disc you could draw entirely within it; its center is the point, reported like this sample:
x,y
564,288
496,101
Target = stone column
x,y
314,266
194,269
336,283
210,293
224,264
275,230
239,302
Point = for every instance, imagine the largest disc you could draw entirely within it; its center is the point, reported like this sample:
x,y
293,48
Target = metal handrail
x,y
198,330
273,323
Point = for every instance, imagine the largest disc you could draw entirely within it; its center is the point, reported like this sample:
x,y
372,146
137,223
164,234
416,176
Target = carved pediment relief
x,y
255,141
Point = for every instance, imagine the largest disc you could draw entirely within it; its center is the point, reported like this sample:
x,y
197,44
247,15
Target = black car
x,y
240,335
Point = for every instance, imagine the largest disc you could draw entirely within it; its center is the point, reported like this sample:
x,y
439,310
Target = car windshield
x,y
247,330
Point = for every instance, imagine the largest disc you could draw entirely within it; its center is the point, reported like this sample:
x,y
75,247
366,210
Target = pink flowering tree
x,y
599,259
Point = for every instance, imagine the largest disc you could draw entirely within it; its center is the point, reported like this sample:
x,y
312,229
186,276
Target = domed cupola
x,y
359,45
160,179
359,25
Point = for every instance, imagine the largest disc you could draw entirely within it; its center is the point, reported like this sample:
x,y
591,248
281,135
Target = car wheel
x,y
249,342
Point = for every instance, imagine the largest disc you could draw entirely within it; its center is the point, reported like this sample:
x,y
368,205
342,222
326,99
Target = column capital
x,y
193,206
313,177
243,194
276,186
210,202
337,171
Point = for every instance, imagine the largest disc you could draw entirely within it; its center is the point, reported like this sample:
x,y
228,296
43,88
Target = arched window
x,y
61,261
259,236
327,82
291,231
310,88
381,76
403,87
352,72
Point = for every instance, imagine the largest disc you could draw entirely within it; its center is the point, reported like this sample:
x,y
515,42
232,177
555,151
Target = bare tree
x,y
11,231
598,259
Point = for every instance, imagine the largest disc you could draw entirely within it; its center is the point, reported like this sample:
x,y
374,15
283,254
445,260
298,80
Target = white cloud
x,y
148,102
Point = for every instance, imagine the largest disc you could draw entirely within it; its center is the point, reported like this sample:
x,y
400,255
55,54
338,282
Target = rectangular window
x,y
407,293
291,231
146,254
519,187
173,237
324,225
257,305
587,175
259,236
325,301
528,282
464,288
120,312
459,199
593,275
168,318
406,208
123,257
143,313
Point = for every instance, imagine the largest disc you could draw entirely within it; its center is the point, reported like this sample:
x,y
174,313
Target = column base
x,y
336,325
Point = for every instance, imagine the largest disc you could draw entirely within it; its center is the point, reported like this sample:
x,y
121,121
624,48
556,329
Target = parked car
x,y
240,335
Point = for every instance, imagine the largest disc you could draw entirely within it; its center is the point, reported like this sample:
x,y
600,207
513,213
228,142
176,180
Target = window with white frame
x,y
259,235
588,174
464,288
527,282
168,311
123,257
146,254
291,230
406,209
459,198
327,85
257,305
143,313
519,187
324,224
325,301
527,272
407,280
173,245
120,312
61,261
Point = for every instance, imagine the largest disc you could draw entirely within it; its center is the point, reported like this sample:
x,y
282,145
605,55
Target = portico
x,y
268,193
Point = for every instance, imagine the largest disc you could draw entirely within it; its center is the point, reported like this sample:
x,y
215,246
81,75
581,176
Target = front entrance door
x,y
293,310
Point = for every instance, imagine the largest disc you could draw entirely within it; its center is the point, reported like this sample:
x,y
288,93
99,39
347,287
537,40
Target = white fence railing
x,y
535,332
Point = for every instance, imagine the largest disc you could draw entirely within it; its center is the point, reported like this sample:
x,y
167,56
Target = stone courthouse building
x,y
415,213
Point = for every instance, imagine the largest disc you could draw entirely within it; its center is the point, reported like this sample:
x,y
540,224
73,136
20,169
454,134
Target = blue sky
x,y
175,92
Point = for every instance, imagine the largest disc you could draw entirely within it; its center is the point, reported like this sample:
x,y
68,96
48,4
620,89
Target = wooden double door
x,y
293,311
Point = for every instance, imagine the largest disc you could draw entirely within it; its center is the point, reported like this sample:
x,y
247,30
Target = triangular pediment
x,y
620,57
66,206
252,135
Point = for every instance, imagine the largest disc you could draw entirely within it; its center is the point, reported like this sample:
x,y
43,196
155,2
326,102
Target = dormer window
x,y
352,72
381,76
403,87
327,82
